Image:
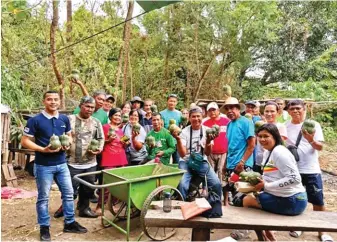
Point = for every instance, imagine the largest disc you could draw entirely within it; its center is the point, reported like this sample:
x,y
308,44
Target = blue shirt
x,y
238,132
147,124
42,127
256,118
168,114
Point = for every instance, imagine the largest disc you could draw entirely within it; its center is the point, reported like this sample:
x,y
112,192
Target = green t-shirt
x,y
100,114
284,117
164,142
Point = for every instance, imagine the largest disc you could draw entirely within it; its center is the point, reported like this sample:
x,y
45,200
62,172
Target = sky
x,y
89,4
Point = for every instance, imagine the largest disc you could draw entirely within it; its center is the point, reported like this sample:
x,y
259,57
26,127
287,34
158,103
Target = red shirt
x,y
220,143
113,154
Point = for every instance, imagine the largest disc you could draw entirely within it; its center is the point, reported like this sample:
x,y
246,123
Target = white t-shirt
x,y
308,163
127,129
281,174
196,142
282,129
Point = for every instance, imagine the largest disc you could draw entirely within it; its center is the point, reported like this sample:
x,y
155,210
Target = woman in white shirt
x,y
283,192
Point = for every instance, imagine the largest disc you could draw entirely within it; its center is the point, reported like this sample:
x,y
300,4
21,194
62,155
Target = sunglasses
x,y
295,108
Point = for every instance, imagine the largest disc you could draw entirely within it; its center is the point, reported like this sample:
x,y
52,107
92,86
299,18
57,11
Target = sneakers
x,y
44,233
74,227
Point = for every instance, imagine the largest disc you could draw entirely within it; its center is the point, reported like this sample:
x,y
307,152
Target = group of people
x,y
237,147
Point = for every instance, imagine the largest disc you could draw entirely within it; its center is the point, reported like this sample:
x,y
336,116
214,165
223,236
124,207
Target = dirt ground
x,y
18,217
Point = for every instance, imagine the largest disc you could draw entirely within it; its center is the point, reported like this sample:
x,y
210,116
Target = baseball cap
x,y
250,102
110,97
212,105
195,109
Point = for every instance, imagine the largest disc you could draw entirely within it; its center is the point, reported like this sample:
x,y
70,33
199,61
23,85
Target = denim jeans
x,y
44,176
213,181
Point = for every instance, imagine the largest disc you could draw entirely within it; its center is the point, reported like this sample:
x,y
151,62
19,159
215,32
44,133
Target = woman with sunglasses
x,y
283,192
136,151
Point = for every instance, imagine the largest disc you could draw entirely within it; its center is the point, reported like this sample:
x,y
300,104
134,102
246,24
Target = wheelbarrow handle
x,y
93,186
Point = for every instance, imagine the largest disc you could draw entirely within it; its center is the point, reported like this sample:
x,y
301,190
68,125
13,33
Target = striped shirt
x,y
83,131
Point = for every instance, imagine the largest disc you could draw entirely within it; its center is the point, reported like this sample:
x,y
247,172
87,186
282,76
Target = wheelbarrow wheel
x,y
158,233
119,209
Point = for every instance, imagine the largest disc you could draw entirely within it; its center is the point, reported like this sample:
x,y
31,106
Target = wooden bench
x,y
242,218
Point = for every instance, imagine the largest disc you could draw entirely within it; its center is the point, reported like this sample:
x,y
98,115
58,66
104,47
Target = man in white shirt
x,y
308,164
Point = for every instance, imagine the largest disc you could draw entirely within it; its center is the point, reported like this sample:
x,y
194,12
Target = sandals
x,y
295,234
326,238
239,234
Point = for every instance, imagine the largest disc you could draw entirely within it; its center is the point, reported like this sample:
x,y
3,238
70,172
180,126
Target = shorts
x,y
314,186
293,205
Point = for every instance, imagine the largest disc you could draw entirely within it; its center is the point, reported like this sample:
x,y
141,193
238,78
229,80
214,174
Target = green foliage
x,y
292,43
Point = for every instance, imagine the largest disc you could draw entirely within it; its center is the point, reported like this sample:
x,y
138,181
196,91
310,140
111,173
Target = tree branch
x,y
53,29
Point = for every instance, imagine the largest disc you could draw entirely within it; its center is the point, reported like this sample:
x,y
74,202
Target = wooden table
x,y
243,218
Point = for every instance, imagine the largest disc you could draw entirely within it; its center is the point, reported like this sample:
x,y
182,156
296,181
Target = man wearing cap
x,y
241,141
84,128
193,140
171,113
51,163
108,103
217,157
251,107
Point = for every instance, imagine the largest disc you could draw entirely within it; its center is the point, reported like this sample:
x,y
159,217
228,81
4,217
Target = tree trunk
x,y
131,78
204,74
69,39
127,34
118,73
58,75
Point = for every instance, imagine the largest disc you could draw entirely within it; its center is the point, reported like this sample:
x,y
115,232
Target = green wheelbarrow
x,y
133,189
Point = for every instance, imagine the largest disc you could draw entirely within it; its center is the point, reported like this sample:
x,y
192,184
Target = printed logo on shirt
x,y
26,130
223,129
270,167
63,126
158,144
